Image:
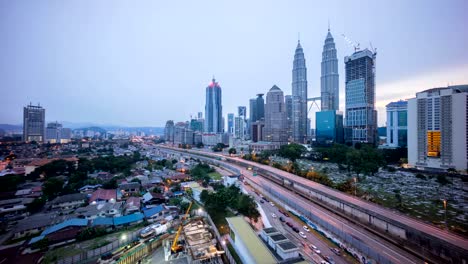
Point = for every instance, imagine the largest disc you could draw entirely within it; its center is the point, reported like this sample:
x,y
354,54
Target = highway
x,y
409,222
300,242
389,252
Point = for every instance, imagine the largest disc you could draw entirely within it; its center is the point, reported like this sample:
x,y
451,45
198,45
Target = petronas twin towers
x,y
328,86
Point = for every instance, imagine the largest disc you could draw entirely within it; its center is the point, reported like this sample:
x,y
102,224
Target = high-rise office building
x,y
329,127
299,96
200,115
361,116
213,109
437,128
56,133
397,124
258,128
275,117
260,106
197,125
239,127
242,112
231,123
253,110
34,123
289,111
329,82
169,131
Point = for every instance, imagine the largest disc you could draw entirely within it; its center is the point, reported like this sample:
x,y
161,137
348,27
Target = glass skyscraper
x,y
361,116
329,84
299,96
213,108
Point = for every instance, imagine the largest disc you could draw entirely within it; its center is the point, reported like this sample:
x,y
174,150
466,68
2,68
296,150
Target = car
x,y
312,246
272,204
289,224
266,200
286,214
336,251
281,211
317,251
302,235
330,259
262,201
306,228
295,229
273,215
281,219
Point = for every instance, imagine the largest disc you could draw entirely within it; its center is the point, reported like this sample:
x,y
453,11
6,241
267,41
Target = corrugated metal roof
x,y
122,220
152,211
64,224
35,239
103,221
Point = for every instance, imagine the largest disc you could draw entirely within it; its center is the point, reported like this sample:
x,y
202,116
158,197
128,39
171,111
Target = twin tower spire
x,y
329,86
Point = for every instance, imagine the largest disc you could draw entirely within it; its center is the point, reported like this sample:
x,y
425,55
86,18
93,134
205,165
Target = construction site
x,y
195,243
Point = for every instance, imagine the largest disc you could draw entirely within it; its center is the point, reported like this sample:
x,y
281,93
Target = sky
x,y
140,63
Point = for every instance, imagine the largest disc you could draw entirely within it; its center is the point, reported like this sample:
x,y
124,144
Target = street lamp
x,y
223,242
123,237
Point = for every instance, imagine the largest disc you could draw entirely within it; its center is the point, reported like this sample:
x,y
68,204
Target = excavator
x,y
175,248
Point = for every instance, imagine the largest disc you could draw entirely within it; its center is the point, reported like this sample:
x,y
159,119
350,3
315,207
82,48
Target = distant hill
x,y
9,128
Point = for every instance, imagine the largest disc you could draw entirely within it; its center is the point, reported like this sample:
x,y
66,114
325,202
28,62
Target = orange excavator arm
x,y
174,246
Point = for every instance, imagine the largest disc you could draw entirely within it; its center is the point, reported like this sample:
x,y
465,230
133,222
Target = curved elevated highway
x,y
415,236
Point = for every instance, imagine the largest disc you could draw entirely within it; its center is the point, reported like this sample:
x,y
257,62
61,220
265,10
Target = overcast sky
x,y
139,63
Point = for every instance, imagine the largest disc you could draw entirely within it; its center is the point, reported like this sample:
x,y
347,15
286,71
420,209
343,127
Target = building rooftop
x,y
400,103
69,198
103,194
254,245
152,211
270,230
285,246
278,237
67,223
127,219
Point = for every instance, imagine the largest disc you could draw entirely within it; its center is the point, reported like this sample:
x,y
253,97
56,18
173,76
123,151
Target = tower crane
x,y
351,43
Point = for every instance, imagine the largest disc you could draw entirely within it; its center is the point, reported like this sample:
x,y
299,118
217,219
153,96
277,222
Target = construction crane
x,y
351,43
175,247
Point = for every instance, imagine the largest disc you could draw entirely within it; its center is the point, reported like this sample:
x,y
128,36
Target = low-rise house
x,y
96,210
132,205
23,192
103,195
151,199
160,213
87,188
66,230
12,207
34,224
128,188
69,201
127,220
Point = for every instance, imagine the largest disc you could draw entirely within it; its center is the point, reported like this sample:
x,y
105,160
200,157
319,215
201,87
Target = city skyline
x,y
117,69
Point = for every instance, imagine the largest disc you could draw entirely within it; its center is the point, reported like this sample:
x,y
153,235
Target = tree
x,y
204,196
218,147
232,151
52,188
292,151
199,145
111,184
36,205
